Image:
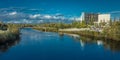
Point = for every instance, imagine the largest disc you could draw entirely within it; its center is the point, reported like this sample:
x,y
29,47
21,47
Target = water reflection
x,y
107,44
5,46
99,42
28,33
112,45
82,43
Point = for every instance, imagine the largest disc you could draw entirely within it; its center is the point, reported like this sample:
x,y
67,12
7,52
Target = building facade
x,y
90,17
104,18
95,18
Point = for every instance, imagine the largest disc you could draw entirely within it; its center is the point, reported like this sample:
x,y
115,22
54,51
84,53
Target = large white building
x,y
94,17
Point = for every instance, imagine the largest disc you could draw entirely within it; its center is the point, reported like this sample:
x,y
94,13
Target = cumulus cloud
x,y
13,13
47,16
40,21
35,16
20,21
55,17
23,15
13,22
72,18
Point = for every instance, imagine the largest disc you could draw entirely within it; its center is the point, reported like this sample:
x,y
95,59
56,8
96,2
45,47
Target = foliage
x,y
113,31
12,33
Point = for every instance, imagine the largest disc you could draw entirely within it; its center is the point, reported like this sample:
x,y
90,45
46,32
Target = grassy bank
x,y
93,35
113,45
111,32
12,33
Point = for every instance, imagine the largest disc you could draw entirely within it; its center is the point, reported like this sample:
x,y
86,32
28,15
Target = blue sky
x,y
72,8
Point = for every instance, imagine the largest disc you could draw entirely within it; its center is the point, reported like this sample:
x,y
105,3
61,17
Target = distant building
x,y
89,17
104,18
95,18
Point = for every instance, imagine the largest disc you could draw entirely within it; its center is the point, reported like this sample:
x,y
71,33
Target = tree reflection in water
x,y
107,44
5,46
112,45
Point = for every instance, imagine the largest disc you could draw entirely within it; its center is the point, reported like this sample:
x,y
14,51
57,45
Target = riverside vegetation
x,y
109,32
9,32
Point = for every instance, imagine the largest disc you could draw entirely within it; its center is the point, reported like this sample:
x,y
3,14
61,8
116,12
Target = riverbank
x,y
111,32
92,34
87,32
12,33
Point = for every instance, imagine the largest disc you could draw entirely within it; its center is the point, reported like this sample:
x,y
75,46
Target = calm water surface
x,y
36,45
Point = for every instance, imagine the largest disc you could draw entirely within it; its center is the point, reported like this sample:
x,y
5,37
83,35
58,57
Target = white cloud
x,y
40,21
72,18
13,13
55,17
47,16
26,21
115,12
13,22
24,15
35,16
20,21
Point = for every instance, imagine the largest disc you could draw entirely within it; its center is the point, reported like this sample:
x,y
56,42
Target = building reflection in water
x,y
82,43
77,37
99,42
107,44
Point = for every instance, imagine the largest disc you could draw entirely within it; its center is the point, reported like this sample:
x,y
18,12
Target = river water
x,y
37,45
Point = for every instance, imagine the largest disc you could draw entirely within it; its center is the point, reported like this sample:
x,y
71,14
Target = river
x,y
37,45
